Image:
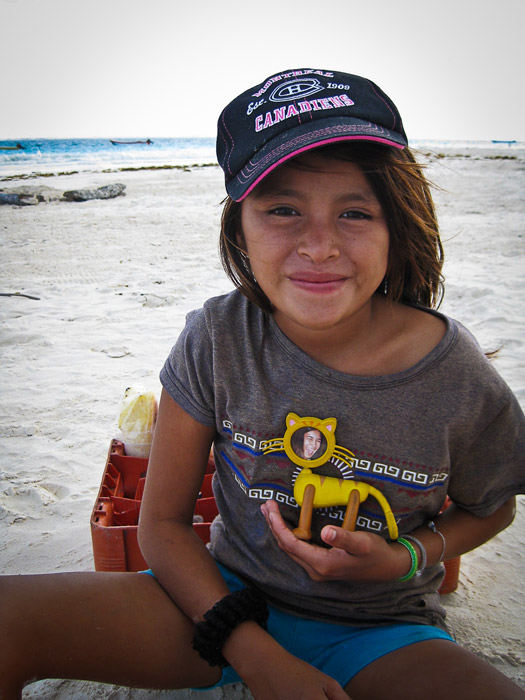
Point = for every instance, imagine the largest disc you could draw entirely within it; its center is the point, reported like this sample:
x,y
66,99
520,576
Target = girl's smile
x,y
317,283
317,242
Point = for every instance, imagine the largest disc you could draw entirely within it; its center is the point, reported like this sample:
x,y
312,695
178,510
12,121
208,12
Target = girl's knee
x,y
433,669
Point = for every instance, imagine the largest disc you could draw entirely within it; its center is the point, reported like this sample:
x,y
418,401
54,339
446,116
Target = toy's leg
x,y
304,530
351,511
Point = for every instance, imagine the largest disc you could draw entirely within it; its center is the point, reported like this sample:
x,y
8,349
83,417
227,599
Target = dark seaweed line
x,y
184,168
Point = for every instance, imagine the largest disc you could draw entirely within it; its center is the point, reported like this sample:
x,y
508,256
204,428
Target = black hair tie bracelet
x,y
219,622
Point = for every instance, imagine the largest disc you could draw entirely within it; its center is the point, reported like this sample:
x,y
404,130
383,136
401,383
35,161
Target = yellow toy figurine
x,y
310,442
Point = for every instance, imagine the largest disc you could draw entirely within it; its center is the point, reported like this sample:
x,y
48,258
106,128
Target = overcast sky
x,y
145,68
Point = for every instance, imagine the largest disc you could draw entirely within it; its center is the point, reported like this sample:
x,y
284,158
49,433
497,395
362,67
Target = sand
x,y
114,280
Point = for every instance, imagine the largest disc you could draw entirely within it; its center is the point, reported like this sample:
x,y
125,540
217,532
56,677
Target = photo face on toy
x,y
309,442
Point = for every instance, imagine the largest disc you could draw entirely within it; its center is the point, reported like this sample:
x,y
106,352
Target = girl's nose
x,y
318,242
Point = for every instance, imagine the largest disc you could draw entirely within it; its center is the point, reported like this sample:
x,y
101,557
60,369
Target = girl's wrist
x,y
430,544
218,623
403,561
248,644
425,549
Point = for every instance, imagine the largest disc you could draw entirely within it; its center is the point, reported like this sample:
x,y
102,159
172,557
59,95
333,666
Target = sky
x,y
146,68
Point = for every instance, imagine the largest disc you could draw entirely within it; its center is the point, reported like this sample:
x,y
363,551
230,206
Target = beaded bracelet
x,y
432,526
219,622
423,562
413,557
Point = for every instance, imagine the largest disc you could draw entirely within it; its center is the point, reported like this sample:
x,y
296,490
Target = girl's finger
x,y
351,542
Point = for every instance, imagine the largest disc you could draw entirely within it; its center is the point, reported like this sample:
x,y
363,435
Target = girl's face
x,y
317,241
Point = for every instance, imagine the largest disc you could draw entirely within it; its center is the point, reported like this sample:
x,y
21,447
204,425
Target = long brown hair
x,y
415,252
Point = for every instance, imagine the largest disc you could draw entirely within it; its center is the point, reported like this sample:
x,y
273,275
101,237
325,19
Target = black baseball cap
x,y
297,110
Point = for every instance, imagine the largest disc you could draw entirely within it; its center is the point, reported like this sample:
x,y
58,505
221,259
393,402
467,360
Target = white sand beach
x,y
114,279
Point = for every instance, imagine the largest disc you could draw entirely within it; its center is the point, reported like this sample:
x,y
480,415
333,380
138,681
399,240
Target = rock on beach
x,y
106,192
27,195
17,199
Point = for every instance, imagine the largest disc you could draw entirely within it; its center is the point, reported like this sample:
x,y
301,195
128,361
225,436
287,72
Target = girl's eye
x,y
357,215
283,211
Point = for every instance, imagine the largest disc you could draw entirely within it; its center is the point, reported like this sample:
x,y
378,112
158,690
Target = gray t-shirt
x,y
448,425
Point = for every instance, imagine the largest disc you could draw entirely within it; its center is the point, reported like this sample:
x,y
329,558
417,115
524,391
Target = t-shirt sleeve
x,y
491,466
187,374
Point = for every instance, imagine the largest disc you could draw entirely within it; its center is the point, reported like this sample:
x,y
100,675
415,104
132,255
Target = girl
x,y
330,236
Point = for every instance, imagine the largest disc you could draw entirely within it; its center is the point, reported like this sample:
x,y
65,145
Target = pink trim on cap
x,y
316,145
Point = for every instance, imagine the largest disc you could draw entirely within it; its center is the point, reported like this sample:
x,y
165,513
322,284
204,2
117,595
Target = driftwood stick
x,y
18,294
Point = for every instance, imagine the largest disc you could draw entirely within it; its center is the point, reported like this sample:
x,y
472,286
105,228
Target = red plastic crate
x,y
114,519
451,580
452,566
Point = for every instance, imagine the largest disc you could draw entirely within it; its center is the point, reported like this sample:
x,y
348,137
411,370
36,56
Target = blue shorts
x,y
340,651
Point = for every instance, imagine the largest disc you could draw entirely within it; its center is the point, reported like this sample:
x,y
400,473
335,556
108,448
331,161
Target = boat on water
x,y
128,143
18,147
507,142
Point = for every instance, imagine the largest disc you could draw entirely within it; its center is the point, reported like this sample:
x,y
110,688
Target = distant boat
x,y
507,142
18,147
127,143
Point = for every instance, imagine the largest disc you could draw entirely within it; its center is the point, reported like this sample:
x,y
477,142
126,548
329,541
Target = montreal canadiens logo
x,y
296,89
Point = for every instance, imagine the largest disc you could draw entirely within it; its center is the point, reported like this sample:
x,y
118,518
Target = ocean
x,y
55,156
65,155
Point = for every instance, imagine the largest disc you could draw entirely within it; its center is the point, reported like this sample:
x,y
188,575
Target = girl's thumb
x,y
350,542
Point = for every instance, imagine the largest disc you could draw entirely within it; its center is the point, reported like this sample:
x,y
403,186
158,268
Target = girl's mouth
x,y
322,283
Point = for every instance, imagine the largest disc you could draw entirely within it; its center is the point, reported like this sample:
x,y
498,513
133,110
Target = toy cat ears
x,y
303,434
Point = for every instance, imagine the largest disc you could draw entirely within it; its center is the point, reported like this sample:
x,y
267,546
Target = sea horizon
x,y
60,155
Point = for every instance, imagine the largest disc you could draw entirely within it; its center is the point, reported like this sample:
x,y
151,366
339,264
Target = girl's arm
x,y
368,557
187,571
172,549
462,531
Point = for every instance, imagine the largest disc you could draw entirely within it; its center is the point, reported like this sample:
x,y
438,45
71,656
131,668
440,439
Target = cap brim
x,y
303,138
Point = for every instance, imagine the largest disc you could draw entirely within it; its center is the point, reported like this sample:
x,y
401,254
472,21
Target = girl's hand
x,y
272,673
294,679
355,556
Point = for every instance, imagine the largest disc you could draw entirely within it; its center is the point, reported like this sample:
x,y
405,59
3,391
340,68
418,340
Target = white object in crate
x,y
137,417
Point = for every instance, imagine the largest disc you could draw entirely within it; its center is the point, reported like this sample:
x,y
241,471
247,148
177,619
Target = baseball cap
x,y
294,111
